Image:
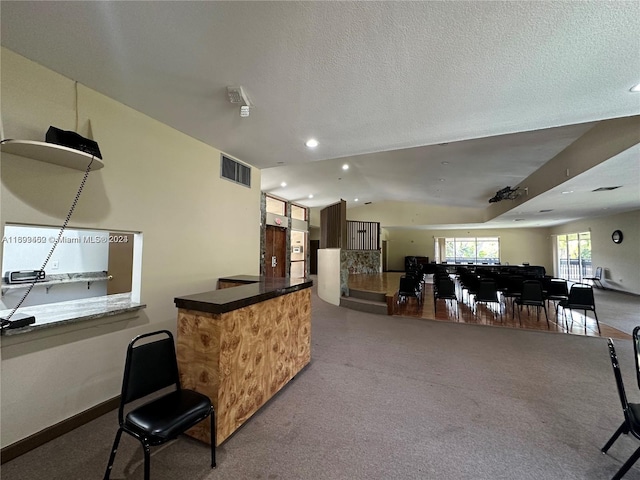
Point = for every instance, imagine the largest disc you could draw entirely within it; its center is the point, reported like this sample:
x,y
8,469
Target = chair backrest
x,y
531,291
557,286
581,294
407,286
620,384
598,274
487,291
636,350
149,367
446,287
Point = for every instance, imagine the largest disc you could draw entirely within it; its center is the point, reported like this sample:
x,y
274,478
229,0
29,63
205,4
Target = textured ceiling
x,y
506,85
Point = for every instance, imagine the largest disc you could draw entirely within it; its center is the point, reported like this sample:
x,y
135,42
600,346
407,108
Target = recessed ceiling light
x,y
311,196
345,166
568,191
280,163
444,163
355,199
441,179
311,143
546,210
635,88
519,220
283,184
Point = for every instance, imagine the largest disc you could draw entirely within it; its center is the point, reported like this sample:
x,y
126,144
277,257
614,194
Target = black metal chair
x,y
149,368
580,298
444,288
531,296
409,287
631,413
636,351
596,280
487,293
512,289
556,291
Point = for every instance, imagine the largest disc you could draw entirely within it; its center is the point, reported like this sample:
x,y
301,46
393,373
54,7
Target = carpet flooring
x,y
400,398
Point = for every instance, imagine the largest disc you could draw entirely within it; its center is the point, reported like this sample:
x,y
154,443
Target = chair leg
x,y
545,314
147,461
597,322
213,439
621,429
112,457
627,465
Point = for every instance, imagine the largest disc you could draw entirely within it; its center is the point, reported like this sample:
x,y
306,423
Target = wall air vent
x,y
235,171
604,189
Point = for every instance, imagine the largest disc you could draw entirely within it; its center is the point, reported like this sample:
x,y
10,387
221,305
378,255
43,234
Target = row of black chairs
x,y
410,287
520,291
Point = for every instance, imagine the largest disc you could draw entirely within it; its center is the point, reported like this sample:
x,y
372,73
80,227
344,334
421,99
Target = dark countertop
x,y
258,289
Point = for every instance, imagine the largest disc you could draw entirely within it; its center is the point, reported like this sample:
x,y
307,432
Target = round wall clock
x,y
616,236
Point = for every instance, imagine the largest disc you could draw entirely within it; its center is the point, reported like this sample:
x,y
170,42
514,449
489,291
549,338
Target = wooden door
x,y
314,245
275,255
384,255
120,264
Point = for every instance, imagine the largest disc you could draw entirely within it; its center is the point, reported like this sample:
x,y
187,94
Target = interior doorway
x,y
120,267
275,256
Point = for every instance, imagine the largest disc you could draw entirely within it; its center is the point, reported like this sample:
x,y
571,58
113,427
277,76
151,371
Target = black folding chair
x,y
631,413
149,368
409,287
636,351
445,289
596,280
487,293
580,298
556,291
532,296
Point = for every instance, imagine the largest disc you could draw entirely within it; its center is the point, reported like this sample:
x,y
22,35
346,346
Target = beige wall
x,y
196,226
532,245
407,214
620,262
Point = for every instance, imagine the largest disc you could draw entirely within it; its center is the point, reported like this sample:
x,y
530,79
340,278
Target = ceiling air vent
x,y
235,171
604,189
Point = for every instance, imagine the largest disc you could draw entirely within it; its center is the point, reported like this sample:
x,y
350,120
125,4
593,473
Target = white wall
x,y
620,262
27,247
72,253
196,226
329,275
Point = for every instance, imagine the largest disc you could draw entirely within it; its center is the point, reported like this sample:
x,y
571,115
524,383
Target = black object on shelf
x,y
73,140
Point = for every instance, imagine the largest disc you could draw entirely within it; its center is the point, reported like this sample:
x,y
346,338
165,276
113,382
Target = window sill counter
x,y
74,311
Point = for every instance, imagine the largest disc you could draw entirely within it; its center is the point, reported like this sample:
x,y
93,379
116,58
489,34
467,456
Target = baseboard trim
x,y
65,426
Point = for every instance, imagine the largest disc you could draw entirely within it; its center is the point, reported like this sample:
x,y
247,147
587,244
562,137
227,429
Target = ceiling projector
x,y
507,193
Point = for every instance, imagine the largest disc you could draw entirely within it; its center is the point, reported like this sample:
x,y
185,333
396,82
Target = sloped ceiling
x,y
438,103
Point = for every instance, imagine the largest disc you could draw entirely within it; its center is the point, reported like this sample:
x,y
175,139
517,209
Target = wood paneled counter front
x,y
241,345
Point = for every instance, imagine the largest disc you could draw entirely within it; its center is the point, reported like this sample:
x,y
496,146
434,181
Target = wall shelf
x,y
51,153
89,278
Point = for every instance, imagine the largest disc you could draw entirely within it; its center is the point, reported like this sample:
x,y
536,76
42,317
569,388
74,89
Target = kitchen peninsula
x,y
241,344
